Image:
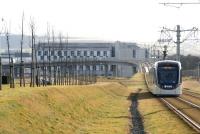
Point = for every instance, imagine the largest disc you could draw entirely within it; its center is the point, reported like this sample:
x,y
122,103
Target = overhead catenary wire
x,y
178,30
179,4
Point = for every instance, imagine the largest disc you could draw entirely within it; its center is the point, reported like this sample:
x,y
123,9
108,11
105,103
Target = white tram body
x,y
164,78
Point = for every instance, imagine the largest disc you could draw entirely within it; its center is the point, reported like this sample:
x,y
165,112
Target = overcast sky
x,y
126,20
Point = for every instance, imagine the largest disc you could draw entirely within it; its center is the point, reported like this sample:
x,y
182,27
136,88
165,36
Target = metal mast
x,y
178,37
178,42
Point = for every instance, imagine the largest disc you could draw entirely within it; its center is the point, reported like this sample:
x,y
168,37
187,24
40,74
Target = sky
x,y
124,20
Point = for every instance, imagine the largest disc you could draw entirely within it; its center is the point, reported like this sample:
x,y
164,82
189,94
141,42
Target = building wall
x,y
129,51
125,70
116,50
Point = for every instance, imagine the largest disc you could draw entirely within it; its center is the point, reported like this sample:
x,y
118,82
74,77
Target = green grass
x,y
99,108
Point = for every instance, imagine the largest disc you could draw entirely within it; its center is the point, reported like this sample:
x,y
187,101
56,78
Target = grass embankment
x,y
192,85
99,108
157,118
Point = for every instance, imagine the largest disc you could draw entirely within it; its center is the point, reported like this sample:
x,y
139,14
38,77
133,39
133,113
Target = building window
x,y
65,53
134,53
113,52
146,54
78,53
101,67
52,53
104,53
45,52
49,58
98,53
55,57
91,53
113,68
60,53
87,67
81,67
42,57
72,53
94,67
39,53
85,53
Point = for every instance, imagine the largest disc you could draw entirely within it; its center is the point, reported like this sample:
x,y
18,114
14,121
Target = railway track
x,y
185,109
191,96
191,93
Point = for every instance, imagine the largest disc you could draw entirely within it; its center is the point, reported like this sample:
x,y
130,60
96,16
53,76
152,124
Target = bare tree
x,y
22,79
8,45
43,66
49,53
54,66
67,65
37,77
60,60
32,26
11,73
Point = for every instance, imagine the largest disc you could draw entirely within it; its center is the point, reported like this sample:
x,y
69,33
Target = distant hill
x,y
15,42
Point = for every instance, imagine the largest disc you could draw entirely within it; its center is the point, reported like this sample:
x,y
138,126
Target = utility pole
x,y
154,52
178,42
165,52
158,56
178,37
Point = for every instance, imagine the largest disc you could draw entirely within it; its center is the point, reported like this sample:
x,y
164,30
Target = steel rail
x,y
190,93
187,119
189,90
188,102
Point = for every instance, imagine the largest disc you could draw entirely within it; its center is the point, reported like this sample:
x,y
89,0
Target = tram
x,y
164,78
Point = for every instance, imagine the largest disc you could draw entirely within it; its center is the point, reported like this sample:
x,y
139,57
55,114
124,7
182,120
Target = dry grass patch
x,y
99,108
191,85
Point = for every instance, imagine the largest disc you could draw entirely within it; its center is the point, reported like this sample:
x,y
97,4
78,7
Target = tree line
x,y
188,62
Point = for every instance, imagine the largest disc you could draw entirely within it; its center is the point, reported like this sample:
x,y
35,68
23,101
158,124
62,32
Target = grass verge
x,y
192,85
99,108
